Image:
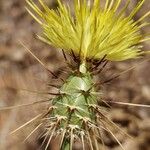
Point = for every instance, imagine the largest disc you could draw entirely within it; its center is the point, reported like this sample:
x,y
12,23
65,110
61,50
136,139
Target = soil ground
x,y
21,75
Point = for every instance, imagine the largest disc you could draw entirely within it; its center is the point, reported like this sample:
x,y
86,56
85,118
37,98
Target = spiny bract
x,y
91,30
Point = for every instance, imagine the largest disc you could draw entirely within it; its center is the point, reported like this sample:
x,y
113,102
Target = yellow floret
x,y
92,31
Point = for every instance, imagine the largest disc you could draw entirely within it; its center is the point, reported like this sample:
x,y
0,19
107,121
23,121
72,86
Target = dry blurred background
x,y
21,75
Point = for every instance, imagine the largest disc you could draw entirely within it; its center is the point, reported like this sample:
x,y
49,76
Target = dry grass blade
x,y
82,140
62,138
45,137
135,66
33,119
115,138
39,60
111,123
129,104
101,138
50,138
123,72
32,91
71,139
47,134
23,105
34,55
32,132
89,138
109,131
95,140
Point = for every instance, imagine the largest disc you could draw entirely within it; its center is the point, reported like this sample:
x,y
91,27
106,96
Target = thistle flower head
x,y
92,31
